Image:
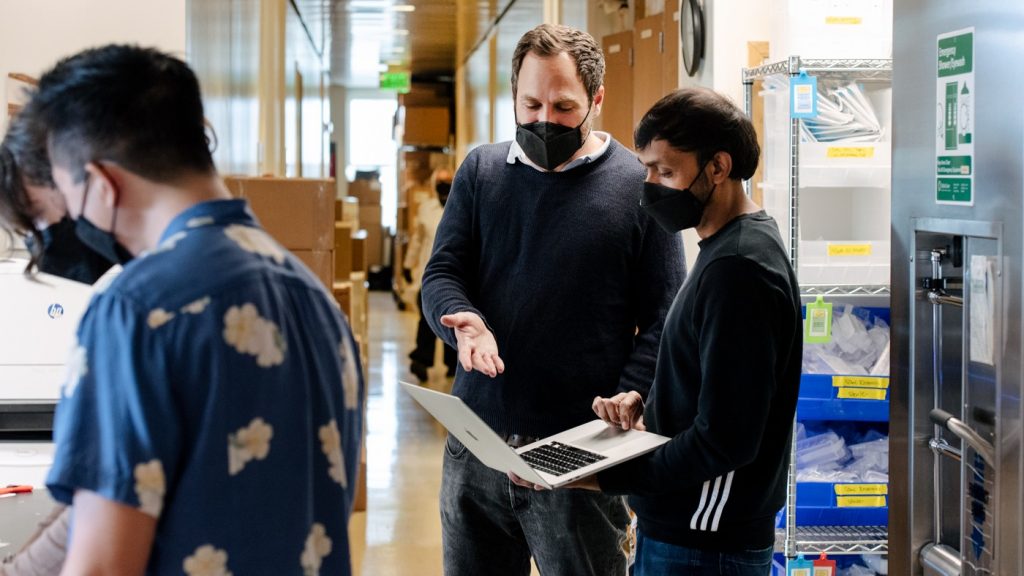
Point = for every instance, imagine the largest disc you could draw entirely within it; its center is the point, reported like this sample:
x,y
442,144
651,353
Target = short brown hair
x,y
551,40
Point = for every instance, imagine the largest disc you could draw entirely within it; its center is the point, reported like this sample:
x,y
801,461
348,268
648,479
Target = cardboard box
x,y
374,246
343,250
320,262
367,191
343,294
426,126
359,498
422,94
297,212
349,210
369,216
359,252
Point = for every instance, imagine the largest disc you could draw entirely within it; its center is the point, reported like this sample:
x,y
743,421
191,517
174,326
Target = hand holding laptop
x,y
625,409
561,459
477,348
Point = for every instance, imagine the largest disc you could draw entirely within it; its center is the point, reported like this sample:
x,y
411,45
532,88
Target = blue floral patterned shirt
x,y
216,386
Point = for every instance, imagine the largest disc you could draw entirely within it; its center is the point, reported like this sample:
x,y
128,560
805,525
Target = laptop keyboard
x,y
557,458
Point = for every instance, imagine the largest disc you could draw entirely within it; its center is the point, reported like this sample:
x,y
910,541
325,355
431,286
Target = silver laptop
x,y
551,462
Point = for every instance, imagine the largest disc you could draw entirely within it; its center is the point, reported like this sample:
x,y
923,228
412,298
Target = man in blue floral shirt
x,y
211,416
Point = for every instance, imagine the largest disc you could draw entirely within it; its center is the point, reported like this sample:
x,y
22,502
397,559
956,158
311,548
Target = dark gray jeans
x,y
491,526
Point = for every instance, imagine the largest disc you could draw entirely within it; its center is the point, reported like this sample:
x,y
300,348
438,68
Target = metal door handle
x,y
964,432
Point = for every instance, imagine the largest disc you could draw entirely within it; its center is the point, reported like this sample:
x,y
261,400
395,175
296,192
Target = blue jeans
x,y
654,558
491,527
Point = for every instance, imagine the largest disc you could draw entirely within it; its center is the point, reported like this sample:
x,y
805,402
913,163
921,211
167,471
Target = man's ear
x,y
102,183
721,167
598,100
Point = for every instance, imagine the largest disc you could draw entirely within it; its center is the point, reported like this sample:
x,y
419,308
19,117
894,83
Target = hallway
x,y
400,532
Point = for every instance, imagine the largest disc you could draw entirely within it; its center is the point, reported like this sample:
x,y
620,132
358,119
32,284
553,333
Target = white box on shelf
x,y
844,263
831,29
839,164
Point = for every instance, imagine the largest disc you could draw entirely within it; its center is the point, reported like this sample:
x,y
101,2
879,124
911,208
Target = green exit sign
x,y
397,81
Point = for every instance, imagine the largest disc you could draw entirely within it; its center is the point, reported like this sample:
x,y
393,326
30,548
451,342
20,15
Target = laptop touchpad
x,y
604,439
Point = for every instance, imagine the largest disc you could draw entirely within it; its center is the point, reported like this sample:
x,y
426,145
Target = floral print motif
x,y
77,368
207,561
196,307
251,334
330,441
249,443
318,545
199,222
150,487
169,243
256,241
158,317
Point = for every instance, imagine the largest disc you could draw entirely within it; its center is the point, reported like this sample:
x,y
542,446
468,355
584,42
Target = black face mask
x,y
674,209
65,255
100,241
548,144
443,189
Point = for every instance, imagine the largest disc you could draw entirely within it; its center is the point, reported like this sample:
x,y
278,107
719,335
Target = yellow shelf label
x,y
860,381
850,152
860,501
849,249
861,394
862,489
847,20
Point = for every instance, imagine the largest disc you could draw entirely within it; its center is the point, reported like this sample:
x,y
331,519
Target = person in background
x,y
214,371
37,212
428,216
553,286
728,373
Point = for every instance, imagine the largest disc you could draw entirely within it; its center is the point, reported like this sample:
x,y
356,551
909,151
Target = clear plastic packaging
x,y
821,450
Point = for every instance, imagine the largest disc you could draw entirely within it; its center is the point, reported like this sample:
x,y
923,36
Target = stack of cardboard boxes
x,y
298,213
367,191
350,290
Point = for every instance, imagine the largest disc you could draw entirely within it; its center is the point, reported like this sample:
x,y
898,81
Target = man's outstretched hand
x,y
477,348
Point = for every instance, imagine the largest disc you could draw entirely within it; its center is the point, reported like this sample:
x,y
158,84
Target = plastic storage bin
x,y
831,29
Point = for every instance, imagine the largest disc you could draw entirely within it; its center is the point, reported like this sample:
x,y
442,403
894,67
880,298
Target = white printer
x,y
38,319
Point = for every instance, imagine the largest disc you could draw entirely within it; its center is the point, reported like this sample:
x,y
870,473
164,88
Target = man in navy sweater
x,y
728,368
553,285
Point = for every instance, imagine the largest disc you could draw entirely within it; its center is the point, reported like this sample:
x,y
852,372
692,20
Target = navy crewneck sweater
x,y
573,279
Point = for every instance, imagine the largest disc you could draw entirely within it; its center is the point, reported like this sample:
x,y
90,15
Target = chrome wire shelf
x,y
851,290
837,540
851,69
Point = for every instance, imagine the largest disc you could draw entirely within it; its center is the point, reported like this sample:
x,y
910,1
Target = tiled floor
x,y
400,532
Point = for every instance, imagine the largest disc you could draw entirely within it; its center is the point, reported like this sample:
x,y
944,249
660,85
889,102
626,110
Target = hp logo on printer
x,y
55,311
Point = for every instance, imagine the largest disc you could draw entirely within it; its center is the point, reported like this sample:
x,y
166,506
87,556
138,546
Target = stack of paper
x,y
844,115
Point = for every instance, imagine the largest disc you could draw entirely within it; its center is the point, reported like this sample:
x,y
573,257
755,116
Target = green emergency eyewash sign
x,y
397,81
954,118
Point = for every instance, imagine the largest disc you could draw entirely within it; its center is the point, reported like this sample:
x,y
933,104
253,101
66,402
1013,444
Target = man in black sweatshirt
x,y
728,370
553,285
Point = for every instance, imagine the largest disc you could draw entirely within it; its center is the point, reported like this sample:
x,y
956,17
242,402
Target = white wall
x,y
730,25
35,34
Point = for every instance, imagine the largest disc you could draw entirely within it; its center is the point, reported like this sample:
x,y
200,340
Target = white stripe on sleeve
x,y
700,508
721,503
711,504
